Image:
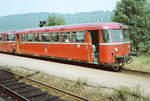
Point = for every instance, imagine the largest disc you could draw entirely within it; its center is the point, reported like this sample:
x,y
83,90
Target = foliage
x,y
53,20
134,13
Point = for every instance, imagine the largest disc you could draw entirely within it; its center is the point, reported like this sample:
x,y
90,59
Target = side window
x,y
78,36
66,36
54,36
69,35
30,37
73,36
23,37
45,37
0,37
5,37
13,37
105,36
8,38
37,37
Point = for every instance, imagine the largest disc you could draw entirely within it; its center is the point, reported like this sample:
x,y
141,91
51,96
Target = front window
x,y
54,36
115,35
106,35
126,35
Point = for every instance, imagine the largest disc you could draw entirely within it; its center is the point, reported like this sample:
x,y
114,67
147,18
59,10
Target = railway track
x,y
15,87
123,70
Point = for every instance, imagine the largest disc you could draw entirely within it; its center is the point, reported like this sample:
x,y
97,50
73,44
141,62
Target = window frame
x,y
8,38
37,34
124,35
13,39
24,37
112,36
42,34
53,36
1,37
75,36
28,36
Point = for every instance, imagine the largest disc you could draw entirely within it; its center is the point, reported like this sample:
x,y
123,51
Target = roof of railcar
x,y
106,25
89,26
7,32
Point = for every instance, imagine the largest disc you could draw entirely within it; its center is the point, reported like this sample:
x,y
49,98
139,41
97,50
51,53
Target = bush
x,y
135,14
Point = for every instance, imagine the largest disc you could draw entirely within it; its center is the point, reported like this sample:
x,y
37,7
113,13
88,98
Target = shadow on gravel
x,y
87,65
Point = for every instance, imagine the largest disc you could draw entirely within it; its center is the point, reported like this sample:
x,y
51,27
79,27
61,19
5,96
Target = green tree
x,y
133,13
52,20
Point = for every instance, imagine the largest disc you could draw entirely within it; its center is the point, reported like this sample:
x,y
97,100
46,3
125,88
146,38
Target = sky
x,y
12,7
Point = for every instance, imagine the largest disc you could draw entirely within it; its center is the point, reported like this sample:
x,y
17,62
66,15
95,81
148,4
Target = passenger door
x,y
94,34
17,43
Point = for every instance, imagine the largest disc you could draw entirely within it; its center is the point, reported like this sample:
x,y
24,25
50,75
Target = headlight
x,y
116,49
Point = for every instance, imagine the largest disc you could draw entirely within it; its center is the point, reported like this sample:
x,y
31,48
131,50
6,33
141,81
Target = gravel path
x,y
92,76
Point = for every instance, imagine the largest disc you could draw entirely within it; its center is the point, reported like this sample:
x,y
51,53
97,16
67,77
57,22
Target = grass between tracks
x,y
81,88
129,94
141,63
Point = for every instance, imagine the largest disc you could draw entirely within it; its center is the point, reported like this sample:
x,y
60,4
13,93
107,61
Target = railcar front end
x,y
115,47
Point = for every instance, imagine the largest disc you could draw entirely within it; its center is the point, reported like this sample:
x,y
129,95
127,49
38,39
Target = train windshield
x,y
126,35
106,36
115,35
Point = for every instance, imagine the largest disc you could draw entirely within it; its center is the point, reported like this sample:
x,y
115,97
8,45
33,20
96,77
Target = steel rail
x,y
48,87
13,94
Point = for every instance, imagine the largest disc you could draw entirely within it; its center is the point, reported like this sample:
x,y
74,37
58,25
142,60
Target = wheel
x,y
116,68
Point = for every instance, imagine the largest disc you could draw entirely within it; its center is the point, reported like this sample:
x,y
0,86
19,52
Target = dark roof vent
x,y
42,23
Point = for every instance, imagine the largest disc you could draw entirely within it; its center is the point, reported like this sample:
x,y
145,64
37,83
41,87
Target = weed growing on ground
x,y
80,82
141,63
128,94
81,88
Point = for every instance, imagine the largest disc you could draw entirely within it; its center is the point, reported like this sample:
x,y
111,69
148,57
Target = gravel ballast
x,y
94,77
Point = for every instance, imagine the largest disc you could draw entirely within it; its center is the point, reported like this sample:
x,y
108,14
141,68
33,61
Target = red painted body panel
x,y
72,51
7,46
107,52
1,46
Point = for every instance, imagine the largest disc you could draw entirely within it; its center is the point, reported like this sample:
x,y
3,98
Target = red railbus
x,y
99,43
7,41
